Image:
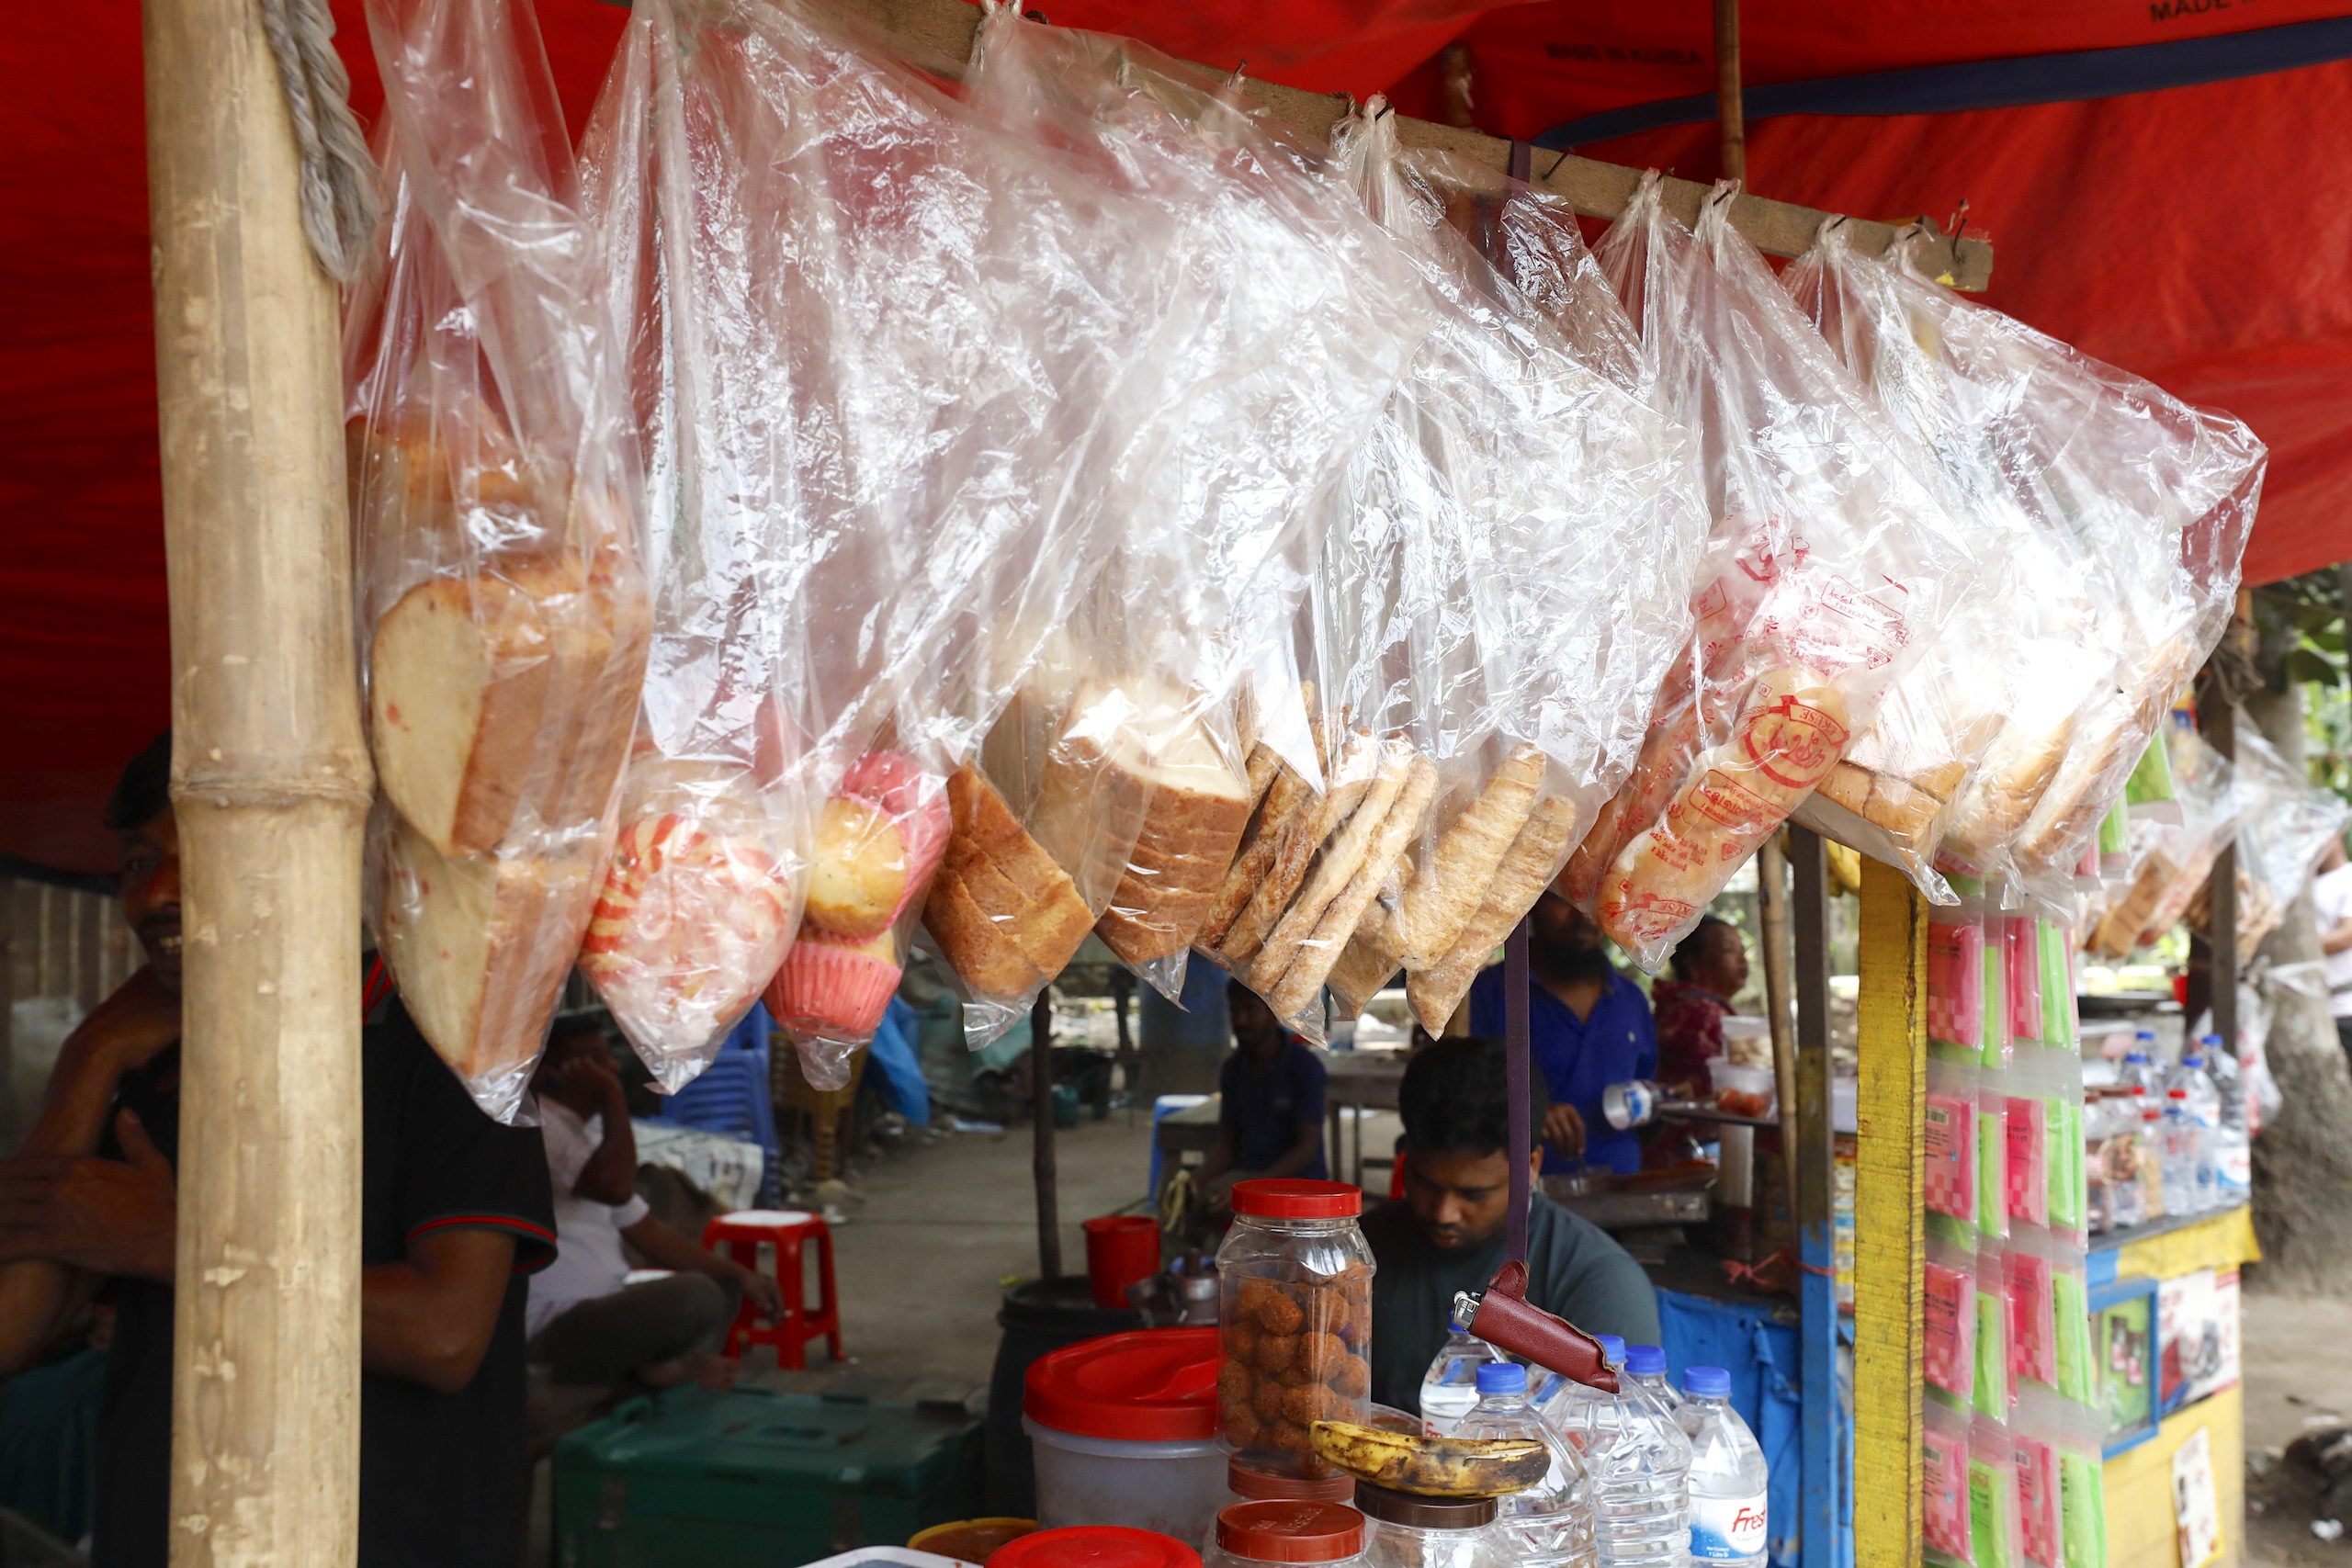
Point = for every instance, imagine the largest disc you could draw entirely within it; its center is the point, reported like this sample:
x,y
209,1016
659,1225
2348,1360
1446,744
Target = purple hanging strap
x,y
1515,1050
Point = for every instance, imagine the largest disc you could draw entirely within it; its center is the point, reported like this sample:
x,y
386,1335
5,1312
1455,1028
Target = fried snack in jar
x,y
1295,1275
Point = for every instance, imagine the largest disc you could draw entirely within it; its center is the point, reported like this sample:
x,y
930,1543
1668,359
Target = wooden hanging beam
x,y
938,34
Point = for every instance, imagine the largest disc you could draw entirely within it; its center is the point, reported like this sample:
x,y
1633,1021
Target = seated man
x,y
1710,968
1587,1027
1270,1107
453,1213
586,1326
1446,1235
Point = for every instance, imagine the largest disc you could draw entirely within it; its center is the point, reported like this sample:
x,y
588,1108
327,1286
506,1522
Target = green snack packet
x,y
2082,1508
1992,1397
1992,1502
2115,830
1993,1171
2150,781
2057,987
2072,1310
2069,1195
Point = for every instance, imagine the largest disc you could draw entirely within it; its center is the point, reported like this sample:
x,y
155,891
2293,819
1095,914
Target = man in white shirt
x,y
584,1324
2331,898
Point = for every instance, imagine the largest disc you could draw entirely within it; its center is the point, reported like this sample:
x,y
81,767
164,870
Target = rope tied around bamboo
x,y
340,199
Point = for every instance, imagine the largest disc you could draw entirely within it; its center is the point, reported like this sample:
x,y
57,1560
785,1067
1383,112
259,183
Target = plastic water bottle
x,y
1728,1476
2140,1065
1450,1388
2233,1144
2205,1115
1550,1523
2179,1154
1640,1464
1646,1364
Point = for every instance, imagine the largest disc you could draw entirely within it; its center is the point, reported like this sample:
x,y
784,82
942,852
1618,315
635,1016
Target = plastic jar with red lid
x,y
1294,1284
1293,1530
1095,1546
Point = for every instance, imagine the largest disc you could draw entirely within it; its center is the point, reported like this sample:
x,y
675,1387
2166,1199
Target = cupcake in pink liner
x,y
915,804
830,985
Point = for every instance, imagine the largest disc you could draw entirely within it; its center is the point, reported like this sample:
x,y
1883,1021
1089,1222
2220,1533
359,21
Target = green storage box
x,y
751,1478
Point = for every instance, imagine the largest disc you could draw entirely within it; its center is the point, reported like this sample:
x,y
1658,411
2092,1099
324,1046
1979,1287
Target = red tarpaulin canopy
x,y
2153,172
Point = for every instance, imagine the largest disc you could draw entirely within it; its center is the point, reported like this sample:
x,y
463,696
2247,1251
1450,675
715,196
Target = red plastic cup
x,y
1120,1250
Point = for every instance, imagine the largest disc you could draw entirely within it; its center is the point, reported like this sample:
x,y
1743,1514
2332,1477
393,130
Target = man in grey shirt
x,y
1446,1235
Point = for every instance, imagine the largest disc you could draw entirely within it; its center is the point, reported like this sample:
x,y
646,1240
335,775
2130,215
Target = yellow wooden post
x,y
1889,1230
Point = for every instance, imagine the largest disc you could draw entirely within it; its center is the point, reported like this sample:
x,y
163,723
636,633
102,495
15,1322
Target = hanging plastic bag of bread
x,y
1123,777
1501,590
1830,568
1894,793
2141,506
2170,861
822,240
495,491
2021,663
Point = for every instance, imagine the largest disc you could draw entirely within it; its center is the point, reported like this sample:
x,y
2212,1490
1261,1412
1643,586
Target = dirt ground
x,y
2298,1359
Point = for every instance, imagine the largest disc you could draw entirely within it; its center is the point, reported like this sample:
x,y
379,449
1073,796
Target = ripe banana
x,y
1432,1467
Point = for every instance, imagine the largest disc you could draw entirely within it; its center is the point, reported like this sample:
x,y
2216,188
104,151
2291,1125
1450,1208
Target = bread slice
x,y
1340,860
1435,908
1311,965
1519,880
1007,917
490,691
480,944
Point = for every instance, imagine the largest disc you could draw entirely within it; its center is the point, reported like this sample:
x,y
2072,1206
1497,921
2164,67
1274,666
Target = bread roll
x,y
1436,907
1786,739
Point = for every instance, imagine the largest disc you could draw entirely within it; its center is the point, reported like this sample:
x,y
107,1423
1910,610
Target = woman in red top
x,y
1710,968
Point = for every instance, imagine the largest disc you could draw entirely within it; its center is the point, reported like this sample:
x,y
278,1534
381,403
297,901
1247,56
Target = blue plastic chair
x,y
732,1097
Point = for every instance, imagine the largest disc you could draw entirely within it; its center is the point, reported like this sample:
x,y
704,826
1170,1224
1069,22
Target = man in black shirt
x,y
455,1211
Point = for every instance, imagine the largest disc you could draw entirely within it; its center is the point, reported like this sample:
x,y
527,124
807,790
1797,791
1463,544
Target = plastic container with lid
x,y
1405,1531
1243,1485
1295,1280
1122,1430
1095,1546
1286,1530
970,1541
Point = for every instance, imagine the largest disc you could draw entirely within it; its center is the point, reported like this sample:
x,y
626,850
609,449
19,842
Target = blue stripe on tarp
x,y
1997,83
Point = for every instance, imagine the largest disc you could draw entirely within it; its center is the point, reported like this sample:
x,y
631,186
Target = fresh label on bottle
x,y
1724,1529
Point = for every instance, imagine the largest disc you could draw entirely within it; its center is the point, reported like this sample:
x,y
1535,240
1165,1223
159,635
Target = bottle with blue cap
x,y
1729,1479
2202,1105
2139,1071
1550,1523
2232,1152
1450,1388
1645,1365
1639,1462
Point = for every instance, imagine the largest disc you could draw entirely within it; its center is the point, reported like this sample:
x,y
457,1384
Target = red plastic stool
x,y
785,1230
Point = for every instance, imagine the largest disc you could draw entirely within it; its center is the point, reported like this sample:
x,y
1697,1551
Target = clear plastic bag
x,y
1124,765
2284,824
1895,791
858,568
495,493
1830,567
2171,860
2140,506
1484,633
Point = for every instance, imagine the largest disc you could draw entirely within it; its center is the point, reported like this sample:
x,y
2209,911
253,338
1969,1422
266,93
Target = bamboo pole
x,y
271,782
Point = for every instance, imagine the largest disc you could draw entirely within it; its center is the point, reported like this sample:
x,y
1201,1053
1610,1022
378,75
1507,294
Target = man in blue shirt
x,y
1271,1106
1587,1027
